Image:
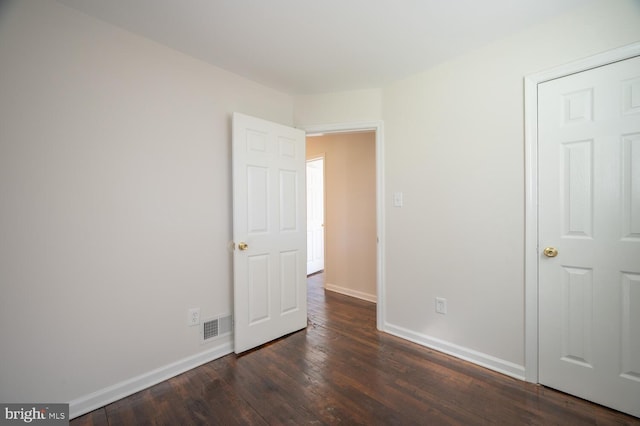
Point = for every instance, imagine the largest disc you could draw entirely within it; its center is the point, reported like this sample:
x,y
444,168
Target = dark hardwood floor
x,y
342,370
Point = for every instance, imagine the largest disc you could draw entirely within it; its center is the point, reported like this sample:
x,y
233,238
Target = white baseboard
x,y
350,292
106,396
496,364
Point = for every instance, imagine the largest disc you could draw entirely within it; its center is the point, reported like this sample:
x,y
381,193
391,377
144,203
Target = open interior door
x,y
269,231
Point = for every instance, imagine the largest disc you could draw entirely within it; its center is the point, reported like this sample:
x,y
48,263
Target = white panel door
x,y
589,211
269,222
315,215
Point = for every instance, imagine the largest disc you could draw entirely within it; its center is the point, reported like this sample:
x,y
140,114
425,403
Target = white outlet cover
x,y
193,316
441,305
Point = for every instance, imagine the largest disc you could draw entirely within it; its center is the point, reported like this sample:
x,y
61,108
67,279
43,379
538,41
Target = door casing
x,y
377,127
531,188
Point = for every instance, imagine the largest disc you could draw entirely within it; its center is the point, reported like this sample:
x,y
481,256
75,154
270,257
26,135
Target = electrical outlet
x,y
193,316
441,305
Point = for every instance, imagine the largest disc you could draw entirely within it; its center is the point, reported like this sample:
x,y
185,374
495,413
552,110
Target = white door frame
x,y
531,188
377,127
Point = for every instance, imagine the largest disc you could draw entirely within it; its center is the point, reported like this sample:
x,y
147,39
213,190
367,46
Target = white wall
x,y
115,204
339,107
455,147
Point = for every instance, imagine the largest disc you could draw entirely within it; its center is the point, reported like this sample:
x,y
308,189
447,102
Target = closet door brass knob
x,y
243,246
550,252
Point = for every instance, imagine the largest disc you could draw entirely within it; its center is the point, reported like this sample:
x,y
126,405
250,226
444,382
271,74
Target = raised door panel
x,y
577,185
630,319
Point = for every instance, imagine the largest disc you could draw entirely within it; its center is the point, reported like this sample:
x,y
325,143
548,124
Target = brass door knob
x,y
550,252
243,246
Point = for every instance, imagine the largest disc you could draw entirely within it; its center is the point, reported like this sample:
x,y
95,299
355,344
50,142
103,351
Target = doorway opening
x,y
350,219
353,220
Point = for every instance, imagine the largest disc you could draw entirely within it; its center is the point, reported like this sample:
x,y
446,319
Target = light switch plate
x,y
398,199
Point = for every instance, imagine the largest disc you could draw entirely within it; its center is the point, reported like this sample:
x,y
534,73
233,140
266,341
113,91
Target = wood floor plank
x,y
341,370
94,418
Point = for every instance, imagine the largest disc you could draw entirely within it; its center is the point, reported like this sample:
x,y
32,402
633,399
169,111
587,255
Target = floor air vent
x,y
216,327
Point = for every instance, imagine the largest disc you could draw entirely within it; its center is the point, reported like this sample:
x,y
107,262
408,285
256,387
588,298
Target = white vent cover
x,y
210,329
216,327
